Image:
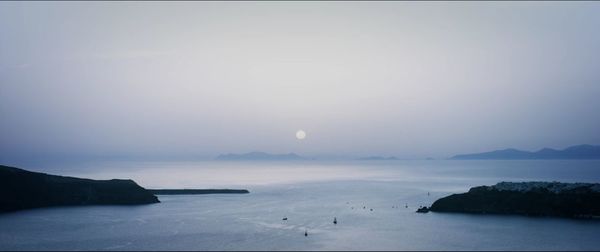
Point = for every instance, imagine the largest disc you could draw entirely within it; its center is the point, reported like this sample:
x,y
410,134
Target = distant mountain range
x,y
259,156
574,152
378,158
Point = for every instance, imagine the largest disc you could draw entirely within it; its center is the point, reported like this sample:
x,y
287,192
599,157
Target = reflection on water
x,y
310,195
231,174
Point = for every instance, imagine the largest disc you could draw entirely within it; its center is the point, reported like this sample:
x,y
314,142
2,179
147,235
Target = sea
x,y
374,203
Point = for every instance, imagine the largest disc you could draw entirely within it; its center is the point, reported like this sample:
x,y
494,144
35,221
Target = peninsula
x,y
196,191
577,200
21,189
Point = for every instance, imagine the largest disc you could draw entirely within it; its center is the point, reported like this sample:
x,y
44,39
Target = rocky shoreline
x,y
21,189
574,200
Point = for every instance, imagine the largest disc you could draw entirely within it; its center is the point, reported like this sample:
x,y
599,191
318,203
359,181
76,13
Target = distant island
x,y
196,191
21,189
573,152
378,158
259,156
578,200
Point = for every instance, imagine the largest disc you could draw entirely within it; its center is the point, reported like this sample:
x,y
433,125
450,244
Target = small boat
x,y
371,209
406,206
305,233
423,210
284,218
334,220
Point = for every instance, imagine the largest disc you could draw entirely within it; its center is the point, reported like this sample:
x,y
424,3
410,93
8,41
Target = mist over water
x,y
310,194
204,174
84,84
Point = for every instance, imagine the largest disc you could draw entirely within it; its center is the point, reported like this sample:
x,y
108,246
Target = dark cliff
x,y
527,198
21,189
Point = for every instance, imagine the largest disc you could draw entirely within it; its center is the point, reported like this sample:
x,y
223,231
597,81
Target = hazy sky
x,y
411,79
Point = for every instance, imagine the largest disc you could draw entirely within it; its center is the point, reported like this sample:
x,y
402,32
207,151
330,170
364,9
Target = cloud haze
x,y
411,79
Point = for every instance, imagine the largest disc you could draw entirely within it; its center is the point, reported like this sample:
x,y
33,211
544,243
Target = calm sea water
x,y
310,194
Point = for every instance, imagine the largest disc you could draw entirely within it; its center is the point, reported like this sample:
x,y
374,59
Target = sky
x,y
197,79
